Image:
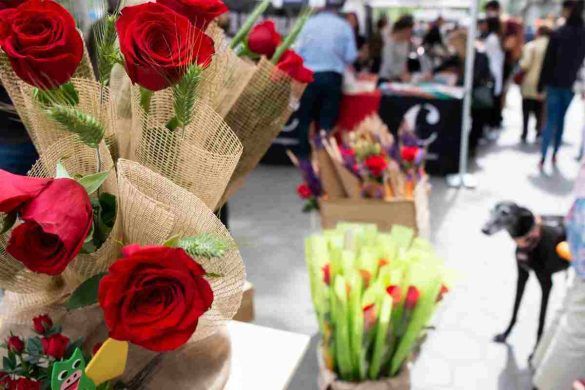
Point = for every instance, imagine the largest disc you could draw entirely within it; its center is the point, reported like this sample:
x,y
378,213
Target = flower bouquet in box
x,y
374,294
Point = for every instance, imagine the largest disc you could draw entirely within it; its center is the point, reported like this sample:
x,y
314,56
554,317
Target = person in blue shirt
x,y
328,46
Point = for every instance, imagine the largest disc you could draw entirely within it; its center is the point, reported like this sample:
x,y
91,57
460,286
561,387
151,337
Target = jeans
x,y
558,101
18,158
531,106
320,103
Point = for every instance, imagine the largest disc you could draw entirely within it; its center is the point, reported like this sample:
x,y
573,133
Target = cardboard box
x,y
246,311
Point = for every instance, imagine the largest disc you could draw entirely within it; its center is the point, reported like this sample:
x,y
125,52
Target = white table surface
x,y
263,358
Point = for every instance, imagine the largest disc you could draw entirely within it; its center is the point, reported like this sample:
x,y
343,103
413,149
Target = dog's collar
x,y
532,238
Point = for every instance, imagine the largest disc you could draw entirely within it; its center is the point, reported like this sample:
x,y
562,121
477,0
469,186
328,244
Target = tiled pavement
x,y
267,222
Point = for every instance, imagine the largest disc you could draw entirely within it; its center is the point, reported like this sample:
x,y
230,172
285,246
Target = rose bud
x,y
159,45
25,384
42,42
15,344
412,297
96,348
57,216
409,153
293,65
327,274
55,345
369,317
5,381
304,191
42,323
154,297
199,12
264,39
394,292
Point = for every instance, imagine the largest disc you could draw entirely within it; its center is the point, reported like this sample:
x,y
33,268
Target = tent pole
x,y
464,179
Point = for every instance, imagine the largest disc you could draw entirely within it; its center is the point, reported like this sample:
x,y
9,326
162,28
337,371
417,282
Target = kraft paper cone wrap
x,y
154,209
200,158
260,113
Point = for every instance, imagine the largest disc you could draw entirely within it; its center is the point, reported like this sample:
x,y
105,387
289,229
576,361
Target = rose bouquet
x,y
374,294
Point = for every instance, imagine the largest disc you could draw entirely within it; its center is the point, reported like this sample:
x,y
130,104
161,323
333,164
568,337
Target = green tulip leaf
x,y
93,182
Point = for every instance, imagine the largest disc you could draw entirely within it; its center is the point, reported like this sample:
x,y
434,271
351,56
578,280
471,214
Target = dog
x,y
536,239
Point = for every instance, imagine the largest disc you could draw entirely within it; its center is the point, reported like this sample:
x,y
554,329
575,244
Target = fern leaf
x,y
184,94
89,129
205,245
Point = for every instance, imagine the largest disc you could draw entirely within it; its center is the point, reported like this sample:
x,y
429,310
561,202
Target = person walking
x,y
531,66
496,56
328,46
563,59
396,51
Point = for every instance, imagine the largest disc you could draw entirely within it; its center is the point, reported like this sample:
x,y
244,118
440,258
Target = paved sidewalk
x,y
267,222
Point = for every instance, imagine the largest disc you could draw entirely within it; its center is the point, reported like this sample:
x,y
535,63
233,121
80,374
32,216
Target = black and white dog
x,y
536,239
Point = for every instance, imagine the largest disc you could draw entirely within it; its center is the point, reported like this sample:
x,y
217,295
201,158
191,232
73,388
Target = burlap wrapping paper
x,y
31,292
17,90
260,113
328,380
154,209
200,157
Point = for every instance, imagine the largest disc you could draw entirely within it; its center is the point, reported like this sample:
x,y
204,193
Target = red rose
x,y
154,297
6,4
57,217
264,39
25,384
409,153
304,191
15,344
42,42
96,348
376,164
159,45
5,380
293,65
394,292
327,274
412,297
42,323
199,12
55,345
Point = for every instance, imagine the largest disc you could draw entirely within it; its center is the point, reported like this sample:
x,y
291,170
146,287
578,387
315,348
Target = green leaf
x,y
34,347
205,245
93,182
108,204
62,171
145,98
86,294
7,222
89,129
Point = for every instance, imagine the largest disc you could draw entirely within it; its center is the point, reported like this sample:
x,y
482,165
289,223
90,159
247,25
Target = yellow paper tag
x,y
109,362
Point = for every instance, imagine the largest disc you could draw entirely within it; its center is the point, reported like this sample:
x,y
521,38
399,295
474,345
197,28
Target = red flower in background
x,y
41,41
394,292
15,344
409,153
293,65
442,293
25,384
412,297
369,316
159,45
376,164
96,348
55,345
154,297
42,323
57,217
5,380
327,274
304,191
200,12
264,39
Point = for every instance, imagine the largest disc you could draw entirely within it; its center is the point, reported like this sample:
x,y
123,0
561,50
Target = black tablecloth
x,y
441,117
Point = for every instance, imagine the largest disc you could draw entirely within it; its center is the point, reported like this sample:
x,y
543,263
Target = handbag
x,y
482,98
519,77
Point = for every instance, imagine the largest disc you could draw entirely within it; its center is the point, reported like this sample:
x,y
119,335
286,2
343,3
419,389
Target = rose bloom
x,y
42,43
199,12
304,191
57,217
409,153
293,65
154,297
42,323
264,39
412,297
15,344
25,384
159,45
55,345
376,164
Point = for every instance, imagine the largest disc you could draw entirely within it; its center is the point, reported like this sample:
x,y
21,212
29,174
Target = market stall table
x,y
263,358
